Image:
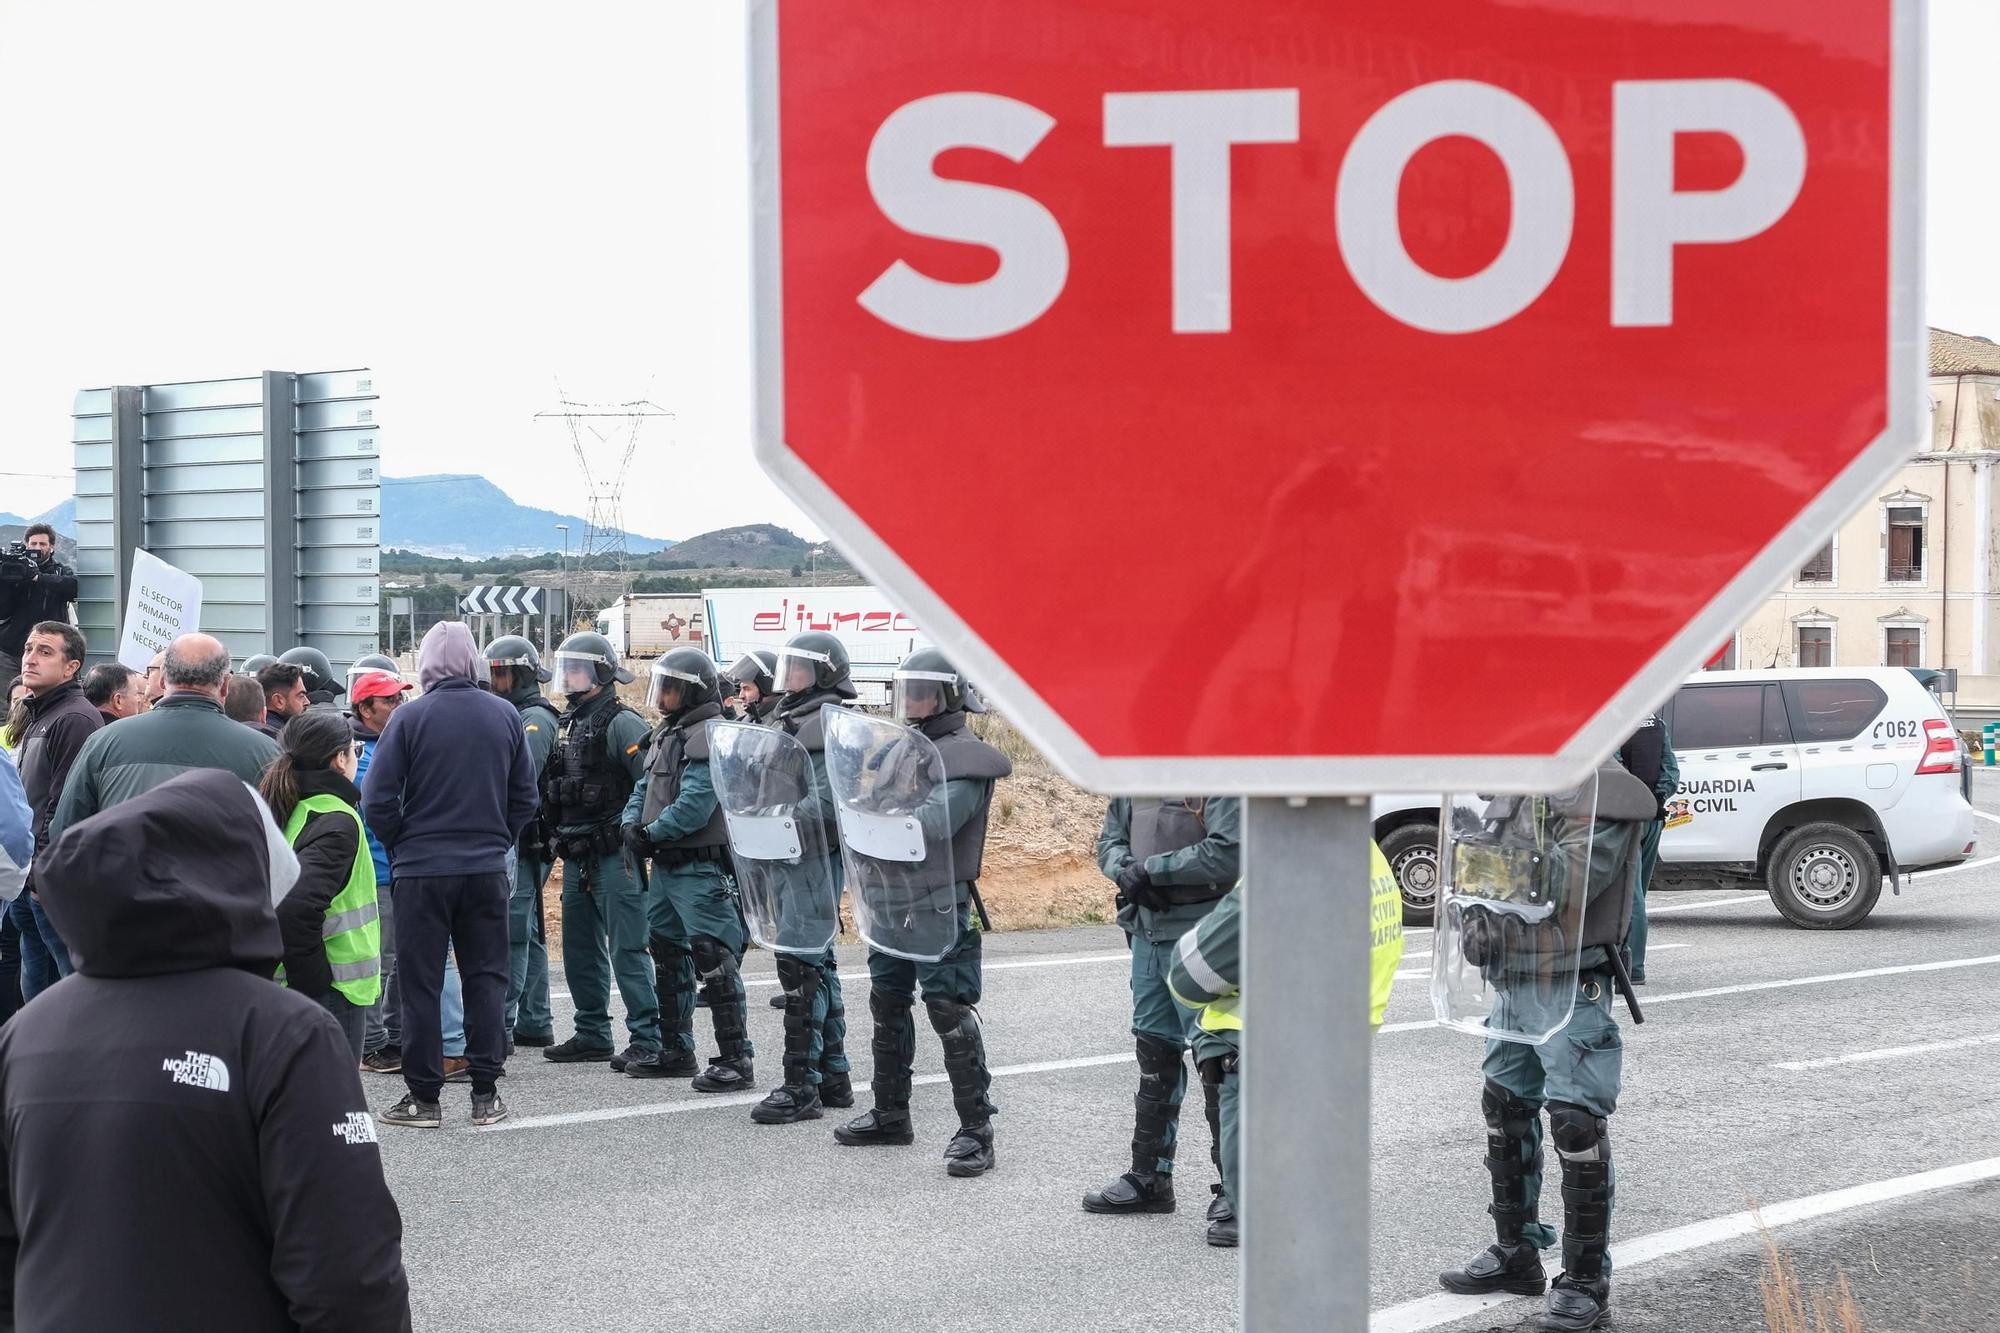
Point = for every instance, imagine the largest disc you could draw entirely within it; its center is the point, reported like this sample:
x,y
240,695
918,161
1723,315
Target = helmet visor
x,y
578,672
798,669
748,670
667,678
357,670
917,695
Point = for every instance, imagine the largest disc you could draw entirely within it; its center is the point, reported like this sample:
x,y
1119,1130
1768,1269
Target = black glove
x,y
637,842
1137,886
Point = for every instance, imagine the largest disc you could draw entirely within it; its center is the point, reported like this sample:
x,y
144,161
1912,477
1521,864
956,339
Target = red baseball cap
x,y
376,685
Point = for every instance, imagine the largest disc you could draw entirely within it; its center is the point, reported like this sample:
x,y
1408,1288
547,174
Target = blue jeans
x,y
44,960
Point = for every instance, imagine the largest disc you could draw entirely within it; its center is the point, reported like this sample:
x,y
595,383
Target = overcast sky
x,y
481,202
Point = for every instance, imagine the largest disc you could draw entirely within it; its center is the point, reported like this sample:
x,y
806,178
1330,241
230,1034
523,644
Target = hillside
x,y
455,514
753,546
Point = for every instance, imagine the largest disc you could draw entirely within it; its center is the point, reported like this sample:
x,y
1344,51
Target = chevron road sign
x,y
491,600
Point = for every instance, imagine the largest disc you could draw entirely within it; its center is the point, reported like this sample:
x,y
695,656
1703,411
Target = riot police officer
x,y
1172,859
518,675
370,662
751,694
810,672
931,696
1539,986
322,686
600,754
673,818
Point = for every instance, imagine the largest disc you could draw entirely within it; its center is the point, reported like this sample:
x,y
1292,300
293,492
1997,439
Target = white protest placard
x,y
163,603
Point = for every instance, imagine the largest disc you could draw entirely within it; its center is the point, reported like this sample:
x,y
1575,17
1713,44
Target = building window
x,y
1819,569
1906,544
1815,646
1902,647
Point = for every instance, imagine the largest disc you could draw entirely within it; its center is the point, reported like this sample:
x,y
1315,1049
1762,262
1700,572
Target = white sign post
x,y
163,604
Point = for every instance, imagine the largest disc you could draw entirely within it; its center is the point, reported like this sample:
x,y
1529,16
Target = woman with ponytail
x,y
333,941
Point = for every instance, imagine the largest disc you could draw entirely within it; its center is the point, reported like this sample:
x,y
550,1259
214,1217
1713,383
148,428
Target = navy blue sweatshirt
x,y
450,785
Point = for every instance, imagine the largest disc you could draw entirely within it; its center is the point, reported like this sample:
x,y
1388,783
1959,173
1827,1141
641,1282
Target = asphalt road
x,y
614,1204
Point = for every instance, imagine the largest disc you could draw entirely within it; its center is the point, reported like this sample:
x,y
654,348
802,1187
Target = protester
x,y
17,824
333,941
60,722
167,1110
17,715
244,702
156,679
115,690
449,789
186,730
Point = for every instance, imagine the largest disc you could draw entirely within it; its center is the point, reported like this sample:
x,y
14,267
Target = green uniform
x,y
527,953
697,933
1207,971
1192,850
603,903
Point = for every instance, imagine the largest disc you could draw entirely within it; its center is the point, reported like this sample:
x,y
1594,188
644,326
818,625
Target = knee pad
x,y
796,977
1158,1055
946,1015
887,1007
1505,1113
711,960
1211,1071
1579,1135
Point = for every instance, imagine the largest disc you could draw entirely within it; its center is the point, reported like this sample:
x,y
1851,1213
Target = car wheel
x,y
1824,877
1412,853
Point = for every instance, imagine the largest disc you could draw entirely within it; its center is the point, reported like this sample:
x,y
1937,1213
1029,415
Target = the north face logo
x,y
199,1071
359,1127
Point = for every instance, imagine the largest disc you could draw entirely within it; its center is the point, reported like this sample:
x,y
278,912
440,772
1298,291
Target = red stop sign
x,y
1294,397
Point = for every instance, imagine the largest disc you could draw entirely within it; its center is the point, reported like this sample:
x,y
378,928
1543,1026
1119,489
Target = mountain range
x,y
444,514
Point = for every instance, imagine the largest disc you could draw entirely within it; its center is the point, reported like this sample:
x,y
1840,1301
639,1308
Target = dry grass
x,y
1791,1307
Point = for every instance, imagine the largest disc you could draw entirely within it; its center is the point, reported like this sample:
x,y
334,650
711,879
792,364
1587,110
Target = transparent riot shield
x,y
1510,913
779,836
895,834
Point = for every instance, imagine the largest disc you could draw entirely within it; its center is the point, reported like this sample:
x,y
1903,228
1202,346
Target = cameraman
x,y
33,588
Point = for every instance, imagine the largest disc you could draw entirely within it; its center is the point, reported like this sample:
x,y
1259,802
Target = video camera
x,y
18,564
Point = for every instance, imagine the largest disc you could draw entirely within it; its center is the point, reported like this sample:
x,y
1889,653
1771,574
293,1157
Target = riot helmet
x,y
512,650
814,660
585,661
691,671
926,685
755,668
372,662
319,672
250,666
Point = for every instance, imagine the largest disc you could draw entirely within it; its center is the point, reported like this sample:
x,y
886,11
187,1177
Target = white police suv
x,y
1816,782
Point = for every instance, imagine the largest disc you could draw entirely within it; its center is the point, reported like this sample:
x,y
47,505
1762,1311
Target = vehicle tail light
x,y
1940,747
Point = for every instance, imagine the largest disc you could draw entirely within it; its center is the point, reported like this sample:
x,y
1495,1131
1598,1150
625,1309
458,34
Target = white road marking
x,y
1981,814
1433,1311
1888,1053
1951,870
1652,911
752,1098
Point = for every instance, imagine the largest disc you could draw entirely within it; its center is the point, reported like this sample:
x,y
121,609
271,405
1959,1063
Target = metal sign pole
x,y
1304,1135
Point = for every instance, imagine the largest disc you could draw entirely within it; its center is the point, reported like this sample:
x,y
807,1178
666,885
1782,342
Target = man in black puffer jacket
x,y
185,1143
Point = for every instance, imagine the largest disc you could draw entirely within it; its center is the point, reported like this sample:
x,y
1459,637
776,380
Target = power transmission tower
x,y
607,433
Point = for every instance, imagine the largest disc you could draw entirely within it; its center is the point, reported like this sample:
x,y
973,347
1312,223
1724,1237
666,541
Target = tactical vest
x,y
679,743
804,721
353,930
548,718
1169,825
966,756
585,784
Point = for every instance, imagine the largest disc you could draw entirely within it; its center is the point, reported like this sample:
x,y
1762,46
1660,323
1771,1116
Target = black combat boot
x,y
836,1090
798,1098
731,1070
676,1063
673,982
970,1152
893,1046
1146,1188
1211,1108
1514,1161
1581,1297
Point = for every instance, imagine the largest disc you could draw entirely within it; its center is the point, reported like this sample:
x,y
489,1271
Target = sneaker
x,y
534,1038
621,1061
1132,1193
457,1069
384,1060
576,1051
661,1064
488,1109
412,1114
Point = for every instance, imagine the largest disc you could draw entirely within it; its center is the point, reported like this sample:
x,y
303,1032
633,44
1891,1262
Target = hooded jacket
x,y
183,731
60,721
450,785
185,1143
